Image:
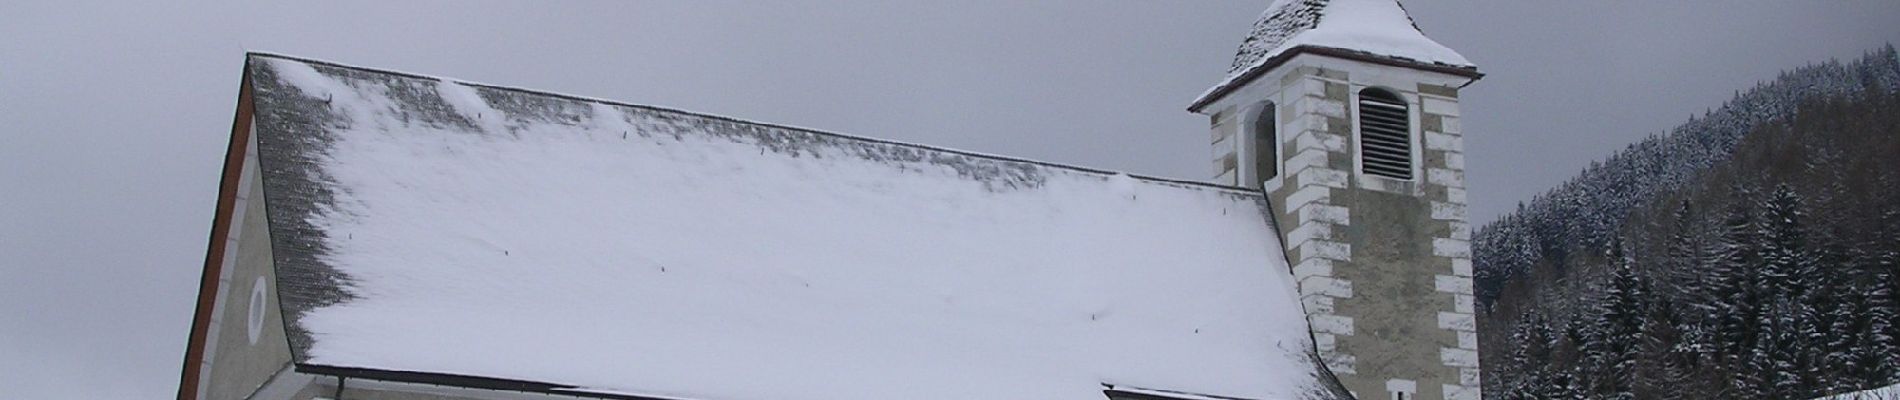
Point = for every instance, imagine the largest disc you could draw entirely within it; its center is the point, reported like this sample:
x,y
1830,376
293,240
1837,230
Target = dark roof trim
x,y
1169,181
1134,393
465,381
1335,52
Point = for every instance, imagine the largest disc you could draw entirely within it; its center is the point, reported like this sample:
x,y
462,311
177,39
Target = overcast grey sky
x,y
116,114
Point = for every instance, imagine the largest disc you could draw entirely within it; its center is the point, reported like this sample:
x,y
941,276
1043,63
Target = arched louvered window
x,y
1385,134
1266,155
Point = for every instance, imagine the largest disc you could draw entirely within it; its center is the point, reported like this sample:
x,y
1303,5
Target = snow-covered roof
x,y
429,226
1371,28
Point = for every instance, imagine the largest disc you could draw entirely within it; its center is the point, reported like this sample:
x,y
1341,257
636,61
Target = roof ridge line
x,y
997,157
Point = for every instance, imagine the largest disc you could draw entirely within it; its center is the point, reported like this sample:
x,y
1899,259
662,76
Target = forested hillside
x,y
1749,253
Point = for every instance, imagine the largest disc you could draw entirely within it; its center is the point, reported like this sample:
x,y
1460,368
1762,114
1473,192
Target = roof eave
x,y
1136,393
465,381
1260,69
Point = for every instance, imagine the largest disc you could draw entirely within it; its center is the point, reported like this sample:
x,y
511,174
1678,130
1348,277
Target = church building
x,y
386,235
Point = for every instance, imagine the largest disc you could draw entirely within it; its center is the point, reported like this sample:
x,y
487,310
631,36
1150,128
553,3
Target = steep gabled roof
x,y
1371,30
425,227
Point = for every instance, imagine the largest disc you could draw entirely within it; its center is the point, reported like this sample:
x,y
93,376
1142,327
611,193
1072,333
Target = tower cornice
x,y
1241,79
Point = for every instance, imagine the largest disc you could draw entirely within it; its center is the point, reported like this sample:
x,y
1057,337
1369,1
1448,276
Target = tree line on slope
x,y
1765,267
1577,216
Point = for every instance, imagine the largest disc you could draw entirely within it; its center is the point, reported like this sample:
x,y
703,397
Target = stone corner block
x,y
1460,322
1452,284
1333,324
1461,358
1460,392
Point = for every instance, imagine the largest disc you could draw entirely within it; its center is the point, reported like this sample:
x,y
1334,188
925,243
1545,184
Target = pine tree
x,y
1682,254
1785,265
1531,360
1874,352
1666,356
1771,370
1840,358
1619,327
1736,289
1833,293
1788,269
1570,377
1788,272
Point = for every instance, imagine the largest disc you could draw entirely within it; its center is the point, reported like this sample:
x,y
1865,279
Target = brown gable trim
x,y
220,234
464,381
1256,72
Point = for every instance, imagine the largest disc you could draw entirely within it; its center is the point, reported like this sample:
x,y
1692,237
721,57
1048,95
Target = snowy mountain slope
x,y
1770,272
1577,215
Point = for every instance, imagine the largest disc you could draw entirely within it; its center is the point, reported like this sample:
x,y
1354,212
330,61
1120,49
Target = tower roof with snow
x,y
1379,31
434,231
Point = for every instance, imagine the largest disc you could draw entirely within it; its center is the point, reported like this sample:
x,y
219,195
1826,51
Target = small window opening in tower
x,y
1385,134
1266,156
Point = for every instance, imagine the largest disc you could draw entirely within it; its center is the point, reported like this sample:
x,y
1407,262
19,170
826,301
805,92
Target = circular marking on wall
x,y
257,309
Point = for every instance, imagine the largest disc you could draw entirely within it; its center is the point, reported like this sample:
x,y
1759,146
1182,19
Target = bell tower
x,y
1347,117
